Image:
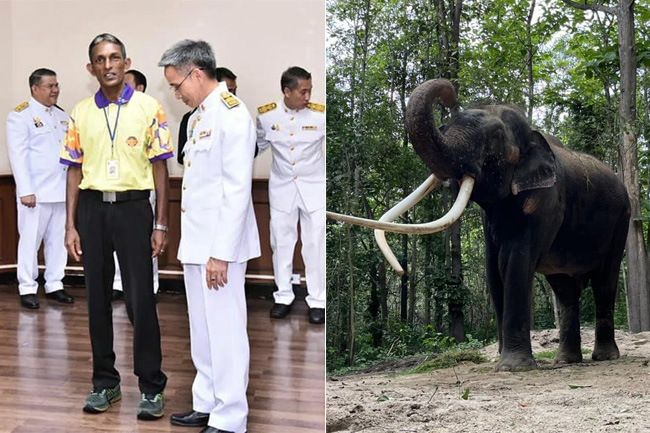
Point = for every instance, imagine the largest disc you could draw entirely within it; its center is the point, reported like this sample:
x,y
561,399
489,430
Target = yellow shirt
x,y
141,137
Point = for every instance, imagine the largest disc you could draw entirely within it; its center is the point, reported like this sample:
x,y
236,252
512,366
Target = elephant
x,y
545,209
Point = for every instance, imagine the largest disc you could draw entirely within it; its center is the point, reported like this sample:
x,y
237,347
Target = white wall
x,y
256,39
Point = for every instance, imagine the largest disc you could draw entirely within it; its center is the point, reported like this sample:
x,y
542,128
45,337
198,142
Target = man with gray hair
x,y
218,236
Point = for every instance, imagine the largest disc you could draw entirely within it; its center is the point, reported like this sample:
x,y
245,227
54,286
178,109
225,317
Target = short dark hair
x,y
105,37
291,76
225,73
37,76
139,78
188,54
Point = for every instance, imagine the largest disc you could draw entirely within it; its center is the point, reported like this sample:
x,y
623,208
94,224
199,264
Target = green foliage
x,y
547,354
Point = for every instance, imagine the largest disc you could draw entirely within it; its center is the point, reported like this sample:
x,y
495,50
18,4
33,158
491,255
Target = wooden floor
x,y
45,368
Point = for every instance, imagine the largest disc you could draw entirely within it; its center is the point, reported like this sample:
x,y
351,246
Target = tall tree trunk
x,y
529,60
638,294
637,258
383,289
351,331
404,281
405,189
456,315
373,306
412,278
427,282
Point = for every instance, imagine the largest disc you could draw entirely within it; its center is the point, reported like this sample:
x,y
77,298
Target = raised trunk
x,y
428,142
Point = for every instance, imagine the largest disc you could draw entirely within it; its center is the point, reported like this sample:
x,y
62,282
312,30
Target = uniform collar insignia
x,y
316,107
213,98
102,102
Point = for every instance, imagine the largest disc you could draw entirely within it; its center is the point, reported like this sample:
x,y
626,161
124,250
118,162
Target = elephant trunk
x,y
430,145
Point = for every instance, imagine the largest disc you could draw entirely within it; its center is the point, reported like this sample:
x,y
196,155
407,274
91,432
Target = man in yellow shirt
x,y
116,149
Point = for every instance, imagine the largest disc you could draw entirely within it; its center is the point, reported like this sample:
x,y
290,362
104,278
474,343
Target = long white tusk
x,y
467,184
391,215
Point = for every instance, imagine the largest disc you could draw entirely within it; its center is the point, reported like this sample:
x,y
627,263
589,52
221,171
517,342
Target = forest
x,y
579,71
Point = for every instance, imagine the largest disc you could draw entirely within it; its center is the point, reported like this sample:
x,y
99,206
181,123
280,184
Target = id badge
x,y
112,169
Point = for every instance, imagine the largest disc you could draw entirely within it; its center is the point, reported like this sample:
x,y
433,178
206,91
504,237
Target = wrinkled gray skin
x,y
546,209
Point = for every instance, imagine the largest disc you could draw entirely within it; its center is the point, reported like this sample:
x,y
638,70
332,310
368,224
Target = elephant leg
x,y
605,286
495,285
567,291
516,268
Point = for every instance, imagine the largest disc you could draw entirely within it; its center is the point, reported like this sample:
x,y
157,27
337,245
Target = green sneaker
x,y
99,401
151,406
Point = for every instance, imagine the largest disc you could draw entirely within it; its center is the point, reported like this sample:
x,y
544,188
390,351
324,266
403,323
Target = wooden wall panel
x,y
259,270
8,225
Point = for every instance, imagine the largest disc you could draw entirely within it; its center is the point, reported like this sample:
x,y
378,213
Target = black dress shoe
x,y
29,301
209,429
117,295
280,311
60,296
190,419
317,315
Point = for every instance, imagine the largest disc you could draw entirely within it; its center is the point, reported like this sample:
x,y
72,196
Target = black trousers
x,y
124,227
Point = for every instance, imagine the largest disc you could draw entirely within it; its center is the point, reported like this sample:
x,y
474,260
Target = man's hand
x,y
158,242
28,200
216,273
73,243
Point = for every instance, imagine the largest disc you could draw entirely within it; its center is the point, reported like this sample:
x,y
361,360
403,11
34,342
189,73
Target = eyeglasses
x,y
176,88
50,86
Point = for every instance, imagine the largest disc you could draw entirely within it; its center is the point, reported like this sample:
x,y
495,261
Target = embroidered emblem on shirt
x,y
37,122
229,99
275,127
21,107
205,134
316,107
268,107
310,128
132,141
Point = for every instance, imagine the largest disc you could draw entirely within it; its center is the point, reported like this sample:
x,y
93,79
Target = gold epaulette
x,y
21,107
316,107
229,99
268,107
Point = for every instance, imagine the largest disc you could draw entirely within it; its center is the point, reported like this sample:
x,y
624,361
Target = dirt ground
x,y
608,396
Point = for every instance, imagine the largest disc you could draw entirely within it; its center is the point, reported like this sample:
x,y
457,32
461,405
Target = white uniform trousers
x,y
220,350
284,234
43,223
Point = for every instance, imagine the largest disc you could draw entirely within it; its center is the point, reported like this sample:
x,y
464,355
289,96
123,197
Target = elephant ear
x,y
536,167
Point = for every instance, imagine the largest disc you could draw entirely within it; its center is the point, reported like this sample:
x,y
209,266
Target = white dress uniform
x,y
296,193
218,220
34,136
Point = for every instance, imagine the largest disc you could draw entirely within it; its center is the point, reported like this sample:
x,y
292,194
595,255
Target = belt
x,y
113,196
